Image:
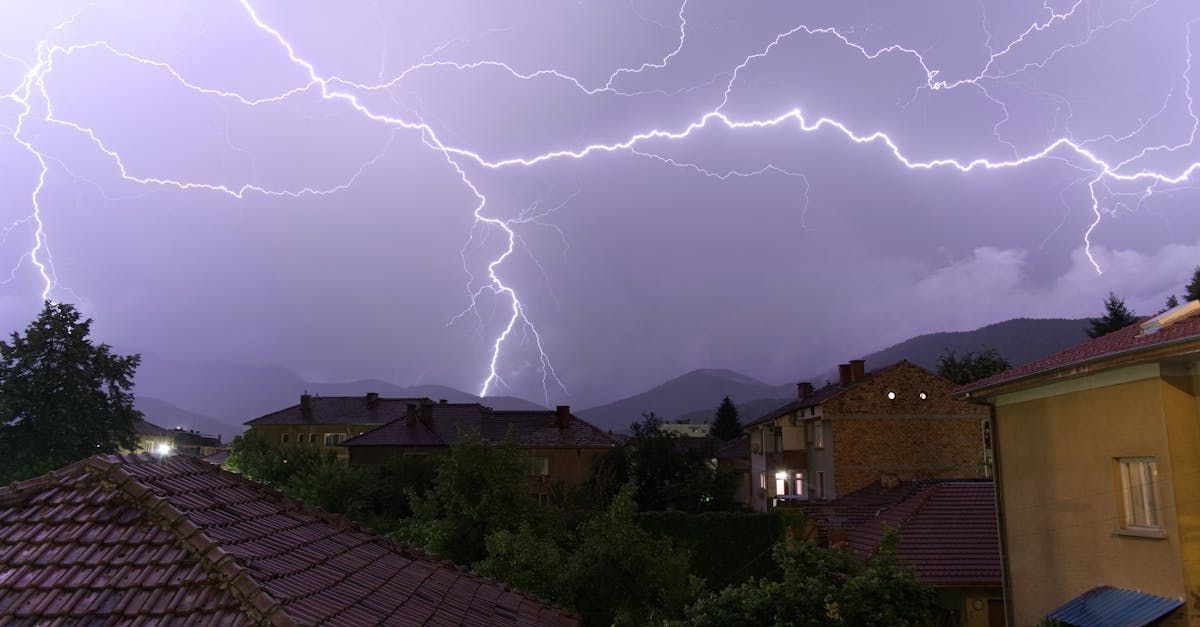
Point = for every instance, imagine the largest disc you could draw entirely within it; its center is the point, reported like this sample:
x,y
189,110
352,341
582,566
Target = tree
x,y
972,366
823,586
1116,316
62,398
726,425
1172,302
1191,291
267,463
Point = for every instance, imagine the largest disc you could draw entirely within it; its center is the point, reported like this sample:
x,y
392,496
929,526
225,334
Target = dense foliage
x,y
727,548
822,586
1116,317
971,366
726,425
1191,291
62,398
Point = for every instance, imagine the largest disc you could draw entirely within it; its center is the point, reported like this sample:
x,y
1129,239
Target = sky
x,y
572,201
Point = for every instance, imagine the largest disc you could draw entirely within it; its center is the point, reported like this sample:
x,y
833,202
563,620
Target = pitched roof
x,y
948,533
146,428
1106,605
357,410
820,395
1131,339
533,429
137,539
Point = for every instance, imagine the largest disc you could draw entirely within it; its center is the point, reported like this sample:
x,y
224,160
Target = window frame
x,y
283,437
1149,505
818,433
339,436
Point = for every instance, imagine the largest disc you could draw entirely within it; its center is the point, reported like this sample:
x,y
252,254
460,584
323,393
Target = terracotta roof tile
x,y
139,540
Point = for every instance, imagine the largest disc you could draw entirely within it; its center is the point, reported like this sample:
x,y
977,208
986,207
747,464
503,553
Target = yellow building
x,y
324,422
1097,453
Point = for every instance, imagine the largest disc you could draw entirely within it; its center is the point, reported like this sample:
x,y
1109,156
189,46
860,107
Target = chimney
x,y
305,401
858,369
442,401
844,374
427,412
371,398
410,414
804,390
562,416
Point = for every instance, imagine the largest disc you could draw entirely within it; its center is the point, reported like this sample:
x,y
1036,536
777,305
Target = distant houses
x,y
161,441
1098,474
898,421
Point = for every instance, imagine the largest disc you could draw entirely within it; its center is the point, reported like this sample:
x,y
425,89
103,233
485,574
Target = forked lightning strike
x,y
31,93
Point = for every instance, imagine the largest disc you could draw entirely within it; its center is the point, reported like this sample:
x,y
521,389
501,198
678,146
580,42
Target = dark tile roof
x,y
357,410
820,395
134,539
149,429
1105,605
1131,339
533,429
948,531
735,449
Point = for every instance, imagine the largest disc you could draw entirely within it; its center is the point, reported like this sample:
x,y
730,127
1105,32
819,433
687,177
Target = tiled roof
x,y
1128,340
1105,605
948,532
735,449
356,410
533,429
134,539
149,429
820,395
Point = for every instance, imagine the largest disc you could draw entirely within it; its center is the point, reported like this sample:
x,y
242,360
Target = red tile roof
x,y
532,429
1131,339
134,539
948,533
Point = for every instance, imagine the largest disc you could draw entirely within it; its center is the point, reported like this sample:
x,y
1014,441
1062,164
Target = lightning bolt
x,y
33,101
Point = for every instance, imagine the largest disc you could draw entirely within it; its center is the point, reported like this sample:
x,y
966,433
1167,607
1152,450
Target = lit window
x,y
762,480
1139,477
799,484
923,396
818,434
891,395
334,439
284,438
781,478
538,466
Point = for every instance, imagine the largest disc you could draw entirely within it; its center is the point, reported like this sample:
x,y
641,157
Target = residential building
x,y
948,536
155,439
733,457
324,422
686,429
1097,456
561,446
897,421
140,539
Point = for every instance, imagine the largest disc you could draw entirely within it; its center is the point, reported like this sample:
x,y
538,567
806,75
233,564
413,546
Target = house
x,y
561,446
733,457
155,439
324,422
1097,459
139,539
898,421
948,535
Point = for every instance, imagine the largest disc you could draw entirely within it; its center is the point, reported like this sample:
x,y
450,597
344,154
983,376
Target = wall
x,y
1061,494
272,434
962,602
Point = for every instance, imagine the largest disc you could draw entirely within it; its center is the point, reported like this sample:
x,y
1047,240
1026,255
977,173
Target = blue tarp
x,y
1114,607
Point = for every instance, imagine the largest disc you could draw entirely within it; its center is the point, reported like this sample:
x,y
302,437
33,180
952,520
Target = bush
x,y
727,547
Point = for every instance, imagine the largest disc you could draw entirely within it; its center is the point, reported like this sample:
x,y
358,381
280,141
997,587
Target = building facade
x,y
899,421
1097,456
324,422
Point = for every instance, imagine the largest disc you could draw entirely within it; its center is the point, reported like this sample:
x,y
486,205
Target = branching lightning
x,y
34,102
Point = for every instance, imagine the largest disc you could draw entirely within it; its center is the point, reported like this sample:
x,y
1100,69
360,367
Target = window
x,y
312,438
818,434
781,478
283,438
762,480
538,466
799,484
334,439
820,484
1139,490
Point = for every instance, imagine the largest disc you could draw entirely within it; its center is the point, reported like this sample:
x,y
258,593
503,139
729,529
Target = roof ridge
x,y
217,562
345,523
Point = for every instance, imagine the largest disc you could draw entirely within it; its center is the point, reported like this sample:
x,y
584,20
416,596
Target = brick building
x,y
561,446
898,421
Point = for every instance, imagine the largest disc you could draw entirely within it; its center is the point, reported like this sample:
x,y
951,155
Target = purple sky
x,y
210,195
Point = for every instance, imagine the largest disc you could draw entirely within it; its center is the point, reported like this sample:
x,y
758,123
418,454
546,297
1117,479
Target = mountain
x,y
225,395
699,390
1019,340
695,395
164,414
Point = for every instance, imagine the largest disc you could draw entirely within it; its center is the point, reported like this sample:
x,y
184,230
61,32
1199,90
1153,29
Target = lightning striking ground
x,y
34,102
